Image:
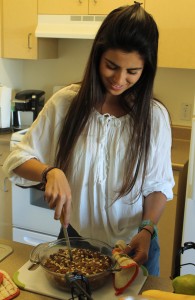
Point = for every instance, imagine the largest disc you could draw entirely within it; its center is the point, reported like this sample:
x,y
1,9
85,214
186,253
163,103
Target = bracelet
x,y
149,223
44,174
144,228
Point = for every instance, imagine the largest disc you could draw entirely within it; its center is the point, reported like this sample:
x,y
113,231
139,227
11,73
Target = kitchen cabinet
x,y
1,28
76,7
176,24
171,223
19,24
73,7
104,7
5,197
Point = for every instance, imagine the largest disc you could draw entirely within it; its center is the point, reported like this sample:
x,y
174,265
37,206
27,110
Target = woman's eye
x,y
111,67
132,72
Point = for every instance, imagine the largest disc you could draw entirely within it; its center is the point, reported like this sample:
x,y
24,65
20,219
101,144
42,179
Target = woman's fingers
x,y
58,195
139,246
65,214
62,207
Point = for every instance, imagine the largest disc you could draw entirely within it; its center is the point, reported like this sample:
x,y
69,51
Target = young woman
x,y
102,149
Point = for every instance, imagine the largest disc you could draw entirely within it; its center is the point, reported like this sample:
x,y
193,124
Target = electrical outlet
x,y
186,111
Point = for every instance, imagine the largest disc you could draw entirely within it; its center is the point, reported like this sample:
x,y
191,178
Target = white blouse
x,y
96,170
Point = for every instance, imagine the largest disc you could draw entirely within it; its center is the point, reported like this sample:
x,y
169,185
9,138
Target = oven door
x,y
31,214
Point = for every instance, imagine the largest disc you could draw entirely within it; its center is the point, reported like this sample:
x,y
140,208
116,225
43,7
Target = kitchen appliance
x,y
32,220
187,258
27,105
68,26
37,224
5,108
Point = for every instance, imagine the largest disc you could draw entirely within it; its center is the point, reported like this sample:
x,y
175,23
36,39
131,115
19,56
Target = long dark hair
x,y
128,28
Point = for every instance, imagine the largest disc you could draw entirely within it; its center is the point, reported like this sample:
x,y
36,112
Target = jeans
x,y
152,264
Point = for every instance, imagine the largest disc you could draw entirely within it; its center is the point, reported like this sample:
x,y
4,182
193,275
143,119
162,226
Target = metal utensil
x,y
68,241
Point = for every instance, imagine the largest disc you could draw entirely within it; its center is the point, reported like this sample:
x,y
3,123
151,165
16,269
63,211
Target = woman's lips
x,y
116,87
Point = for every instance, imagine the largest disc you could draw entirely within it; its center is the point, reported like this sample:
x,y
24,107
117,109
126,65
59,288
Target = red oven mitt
x,y
129,268
8,289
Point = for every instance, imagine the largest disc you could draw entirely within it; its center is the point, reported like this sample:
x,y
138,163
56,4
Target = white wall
x,y
11,73
68,68
172,86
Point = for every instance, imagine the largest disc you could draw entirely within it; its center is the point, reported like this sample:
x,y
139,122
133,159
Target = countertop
x,y
20,256
5,138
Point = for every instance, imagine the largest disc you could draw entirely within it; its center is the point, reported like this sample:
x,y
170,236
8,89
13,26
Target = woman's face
x,y
120,70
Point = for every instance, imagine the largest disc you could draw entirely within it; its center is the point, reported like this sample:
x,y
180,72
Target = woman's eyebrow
x,y
129,69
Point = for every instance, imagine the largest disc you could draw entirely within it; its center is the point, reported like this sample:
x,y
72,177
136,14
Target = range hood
x,y
68,26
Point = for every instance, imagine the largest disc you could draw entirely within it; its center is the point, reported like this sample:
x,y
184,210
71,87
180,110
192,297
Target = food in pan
x,y
91,259
85,262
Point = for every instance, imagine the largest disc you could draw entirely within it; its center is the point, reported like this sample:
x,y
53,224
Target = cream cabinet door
x,y
19,24
1,28
176,22
5,197
4,151
62,7
5,207
104,7
93,7
166,231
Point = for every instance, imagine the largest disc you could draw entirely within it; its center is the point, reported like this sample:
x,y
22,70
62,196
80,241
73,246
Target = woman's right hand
x,y
58,195
139,246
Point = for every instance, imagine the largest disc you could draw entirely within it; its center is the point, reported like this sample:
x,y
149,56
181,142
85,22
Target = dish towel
x,y
8,289
129,268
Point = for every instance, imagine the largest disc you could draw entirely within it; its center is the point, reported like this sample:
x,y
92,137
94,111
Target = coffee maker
x,y
26,107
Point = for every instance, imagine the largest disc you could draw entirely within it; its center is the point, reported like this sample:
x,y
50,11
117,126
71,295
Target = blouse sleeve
x,y
159,175
41,139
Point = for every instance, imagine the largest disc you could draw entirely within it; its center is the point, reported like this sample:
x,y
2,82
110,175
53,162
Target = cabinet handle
x,y
5,189
29,39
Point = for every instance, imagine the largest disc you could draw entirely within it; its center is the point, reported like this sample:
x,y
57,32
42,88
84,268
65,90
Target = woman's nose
x,y
119,77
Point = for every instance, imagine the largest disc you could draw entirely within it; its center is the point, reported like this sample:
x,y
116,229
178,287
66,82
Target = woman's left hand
x,y
139,246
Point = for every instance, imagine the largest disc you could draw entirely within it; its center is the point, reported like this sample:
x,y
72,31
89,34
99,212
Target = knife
x,y
68,241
